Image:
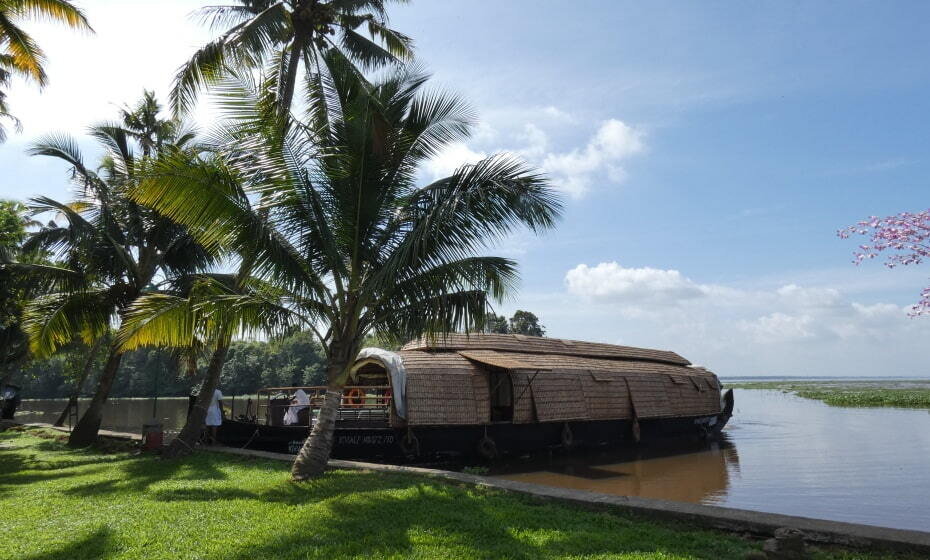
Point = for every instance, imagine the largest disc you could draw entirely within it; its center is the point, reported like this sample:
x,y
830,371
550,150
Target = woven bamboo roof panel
x,y
452,387
495,359
558,398
444,389
523,410
541,345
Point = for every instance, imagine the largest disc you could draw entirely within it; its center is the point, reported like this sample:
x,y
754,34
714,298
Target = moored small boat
x,y
488,394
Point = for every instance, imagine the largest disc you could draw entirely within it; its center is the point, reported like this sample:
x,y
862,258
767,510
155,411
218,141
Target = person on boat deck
x,y
215,414
298,403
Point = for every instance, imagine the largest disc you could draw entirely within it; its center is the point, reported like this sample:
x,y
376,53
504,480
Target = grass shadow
x,y
24,468
329,487
140,474
401,517
95,545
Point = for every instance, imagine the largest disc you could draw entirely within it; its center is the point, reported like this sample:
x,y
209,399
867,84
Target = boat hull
x,y
436,442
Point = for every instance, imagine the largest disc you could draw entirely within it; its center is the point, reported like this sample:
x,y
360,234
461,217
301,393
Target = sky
x,y
707,153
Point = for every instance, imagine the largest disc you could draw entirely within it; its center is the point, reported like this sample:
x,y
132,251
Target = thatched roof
x,y
553,380
540,345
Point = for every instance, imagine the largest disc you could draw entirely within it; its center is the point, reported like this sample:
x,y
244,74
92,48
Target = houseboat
x,y
493,394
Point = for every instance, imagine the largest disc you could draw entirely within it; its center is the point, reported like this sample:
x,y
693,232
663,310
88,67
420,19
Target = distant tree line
x,y
292,360
522,322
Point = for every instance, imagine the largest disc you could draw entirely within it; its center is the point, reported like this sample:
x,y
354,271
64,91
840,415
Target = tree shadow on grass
x,y
337,484
93,546
140,474
404,516
25,468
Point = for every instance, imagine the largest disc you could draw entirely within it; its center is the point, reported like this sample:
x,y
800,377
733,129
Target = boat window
x,y
501,388
372,373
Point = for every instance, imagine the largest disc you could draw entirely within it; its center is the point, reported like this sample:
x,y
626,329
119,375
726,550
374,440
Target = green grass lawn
x,y
58,503
871,393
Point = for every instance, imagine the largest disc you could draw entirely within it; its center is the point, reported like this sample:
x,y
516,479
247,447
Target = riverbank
x,y
851,393
110,503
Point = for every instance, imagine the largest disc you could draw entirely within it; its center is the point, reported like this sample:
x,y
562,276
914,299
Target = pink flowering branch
x,y
904,237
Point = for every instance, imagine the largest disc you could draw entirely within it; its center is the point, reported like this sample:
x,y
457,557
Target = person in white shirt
x,y
215,414
298,403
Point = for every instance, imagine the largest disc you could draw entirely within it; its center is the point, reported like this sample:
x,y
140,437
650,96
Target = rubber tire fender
x,y
568,439
635,431
410,445
487,449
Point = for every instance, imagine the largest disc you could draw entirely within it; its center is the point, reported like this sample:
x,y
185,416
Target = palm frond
x,y
457,216
65,148
54,320
242,46
26,57
365,51
158,320
56,11
222,17
441,313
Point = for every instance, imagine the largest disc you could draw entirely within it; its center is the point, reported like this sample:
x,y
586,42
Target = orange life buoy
x,y
355,398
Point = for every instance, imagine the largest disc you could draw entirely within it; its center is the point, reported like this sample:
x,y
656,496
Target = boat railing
x,y
361,404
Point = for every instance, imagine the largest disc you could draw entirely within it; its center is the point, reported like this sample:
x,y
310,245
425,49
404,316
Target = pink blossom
x,y
905,237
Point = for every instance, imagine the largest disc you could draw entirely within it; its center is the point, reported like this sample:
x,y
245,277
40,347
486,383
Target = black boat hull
x,y
422,443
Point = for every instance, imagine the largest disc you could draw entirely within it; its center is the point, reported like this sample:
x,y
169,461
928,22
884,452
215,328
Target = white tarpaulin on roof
x,y
395,366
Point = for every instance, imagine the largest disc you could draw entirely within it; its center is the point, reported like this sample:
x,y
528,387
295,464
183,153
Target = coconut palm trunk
x,y
79,383
186,441
289,81
85,432
313,457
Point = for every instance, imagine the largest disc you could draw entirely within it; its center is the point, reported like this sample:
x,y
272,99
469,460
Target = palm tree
x,y
216,306
116,249
20,55
284,34
14,287
214,309
88,363
346,232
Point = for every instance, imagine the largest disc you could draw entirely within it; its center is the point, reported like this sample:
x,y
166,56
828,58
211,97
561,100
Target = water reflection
x,y
796,456
121,415
684,471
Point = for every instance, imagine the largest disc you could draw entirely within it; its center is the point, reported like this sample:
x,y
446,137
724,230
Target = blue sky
x,y
708,152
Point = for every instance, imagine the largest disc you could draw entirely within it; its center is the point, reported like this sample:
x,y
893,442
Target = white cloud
x,y
779,327
535,142
484,133
451,158
558,114
613,142
791,328
612,282
572,171
797,296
